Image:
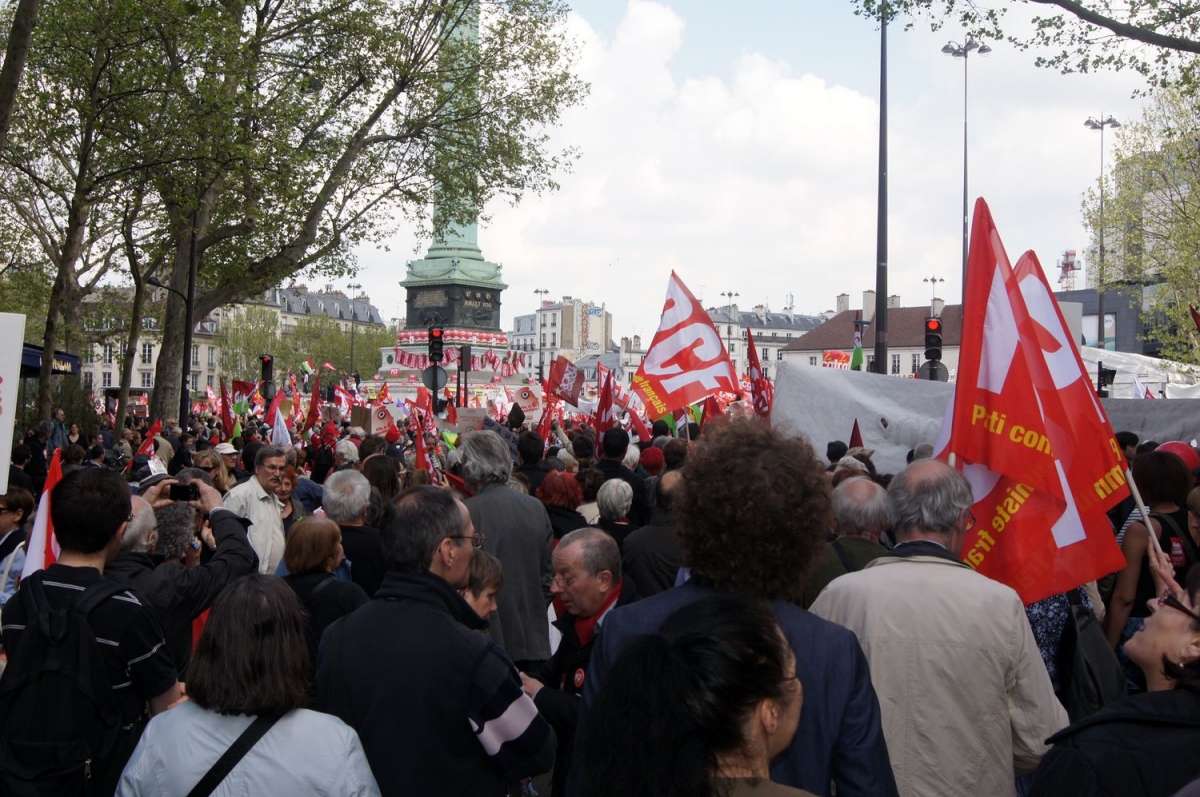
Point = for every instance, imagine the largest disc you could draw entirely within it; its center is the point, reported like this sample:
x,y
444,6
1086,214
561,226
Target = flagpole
x,y
881,230
1141,505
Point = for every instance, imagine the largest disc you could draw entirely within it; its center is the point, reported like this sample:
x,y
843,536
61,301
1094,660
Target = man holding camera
x,y
176,592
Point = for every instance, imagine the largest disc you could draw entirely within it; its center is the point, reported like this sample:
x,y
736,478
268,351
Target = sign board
x,y
471,418
934,371
528,400
12,329
434,377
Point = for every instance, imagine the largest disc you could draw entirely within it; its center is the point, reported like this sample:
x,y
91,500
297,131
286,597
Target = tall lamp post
x,y
189,302
1092,124
729,297
541,293
353,287
933,283
963,51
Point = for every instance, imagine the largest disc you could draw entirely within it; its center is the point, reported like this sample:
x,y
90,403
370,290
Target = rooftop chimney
x,y
893,302
868,310
936,307
843,302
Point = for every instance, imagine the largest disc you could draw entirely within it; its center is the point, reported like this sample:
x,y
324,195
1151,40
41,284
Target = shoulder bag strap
x,y
325,583
1184,536
236,752
841,554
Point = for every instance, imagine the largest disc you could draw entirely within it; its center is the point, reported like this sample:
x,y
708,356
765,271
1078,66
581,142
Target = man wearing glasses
x,y
438,706
254,499
951,653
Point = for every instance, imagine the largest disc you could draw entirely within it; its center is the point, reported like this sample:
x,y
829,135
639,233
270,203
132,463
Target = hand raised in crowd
x,y
1163,571
158,495
530,685
210,499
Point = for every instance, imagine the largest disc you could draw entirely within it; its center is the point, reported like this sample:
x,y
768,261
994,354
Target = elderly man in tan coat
x,y
966,700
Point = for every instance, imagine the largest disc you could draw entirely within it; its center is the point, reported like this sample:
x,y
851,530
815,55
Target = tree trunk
x,y
49,341
24,21
135,328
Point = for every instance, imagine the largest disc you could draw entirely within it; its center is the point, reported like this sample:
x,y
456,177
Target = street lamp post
x,y
933,281
963,51
353,288
1092,124
729,296
541,293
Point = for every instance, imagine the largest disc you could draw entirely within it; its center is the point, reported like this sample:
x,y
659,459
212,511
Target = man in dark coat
x,y
179,594
588,580
530,448
650,555
614,445
346,497
438,706
519,534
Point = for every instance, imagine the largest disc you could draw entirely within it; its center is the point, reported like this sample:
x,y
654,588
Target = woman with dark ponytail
x,y
698,709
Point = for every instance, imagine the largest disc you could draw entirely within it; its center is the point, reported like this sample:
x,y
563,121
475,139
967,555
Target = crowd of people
x,y
720,613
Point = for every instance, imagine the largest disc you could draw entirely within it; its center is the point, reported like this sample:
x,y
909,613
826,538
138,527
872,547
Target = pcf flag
x,y
760,389
565,381
42,550
687,359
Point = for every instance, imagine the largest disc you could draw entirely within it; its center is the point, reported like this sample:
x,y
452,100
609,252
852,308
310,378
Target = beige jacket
x,y
965,698
265,513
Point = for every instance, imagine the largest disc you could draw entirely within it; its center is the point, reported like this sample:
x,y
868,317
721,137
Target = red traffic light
x,y
933,325
435,334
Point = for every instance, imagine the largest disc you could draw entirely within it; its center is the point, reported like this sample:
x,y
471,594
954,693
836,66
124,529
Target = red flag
x,y
41,550
1195,316
687,360
639,426
566,379
712,409
760,388
422,459
543,429
604,409
147,446
1042,475
314,406
425,401
452,413
856,440
384,396
226,410
328,365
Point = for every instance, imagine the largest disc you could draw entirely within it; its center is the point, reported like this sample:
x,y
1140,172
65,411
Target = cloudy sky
x,y
740,150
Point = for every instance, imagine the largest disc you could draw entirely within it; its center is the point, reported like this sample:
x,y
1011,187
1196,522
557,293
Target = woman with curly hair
x,y
698,709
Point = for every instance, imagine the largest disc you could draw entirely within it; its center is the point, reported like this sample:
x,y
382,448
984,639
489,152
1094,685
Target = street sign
x,y
434,377
934,371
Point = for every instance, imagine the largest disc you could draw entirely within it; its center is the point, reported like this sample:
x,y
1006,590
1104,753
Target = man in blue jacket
x,y
752,513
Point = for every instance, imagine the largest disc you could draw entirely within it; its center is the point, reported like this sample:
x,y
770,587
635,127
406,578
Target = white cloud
x,y
764,182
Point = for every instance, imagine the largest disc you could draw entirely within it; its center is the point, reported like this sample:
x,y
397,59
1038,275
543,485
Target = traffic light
x,y
1104,379
933,338
268,373
437,341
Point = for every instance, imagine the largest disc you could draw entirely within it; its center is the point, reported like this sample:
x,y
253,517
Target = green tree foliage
x,y
1159,39
1151,218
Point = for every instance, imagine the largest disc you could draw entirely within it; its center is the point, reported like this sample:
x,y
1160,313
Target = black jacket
x,y
1143,745
179,594
333,599
650,555
564,521
564,675
364,549
412,673
640,512
535,474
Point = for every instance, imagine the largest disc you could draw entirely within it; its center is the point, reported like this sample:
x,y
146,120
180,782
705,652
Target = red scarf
x,y
585,627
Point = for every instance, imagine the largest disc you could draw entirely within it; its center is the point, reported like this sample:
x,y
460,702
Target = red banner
x,y
760,388
565,381
687,359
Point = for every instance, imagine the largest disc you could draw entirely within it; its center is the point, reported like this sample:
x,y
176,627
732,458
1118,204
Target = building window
x,y
779,355
195,355
895,363
553,321
212,356
106,379
87,381
916,362
766,353
553,339
89,355
194,381
147,353
147,379
732,348
812,360
108,354
871,363
543,340
210,380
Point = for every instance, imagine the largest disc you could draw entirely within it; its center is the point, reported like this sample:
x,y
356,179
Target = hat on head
x,y
392,434
225,448
653,460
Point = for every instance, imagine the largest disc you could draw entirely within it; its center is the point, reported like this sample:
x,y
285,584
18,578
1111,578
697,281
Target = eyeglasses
x,y
564,581
476,541
274,468
970,524
1167,599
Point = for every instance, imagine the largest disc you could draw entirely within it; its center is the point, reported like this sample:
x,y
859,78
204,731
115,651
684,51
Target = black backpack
x,y
57,710
1089,675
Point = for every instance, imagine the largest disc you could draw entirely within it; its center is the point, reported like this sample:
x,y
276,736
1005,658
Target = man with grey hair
x,y
615,504
588,580
519,534
860,510
179,594
951,653
437,705
346,499
255,500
